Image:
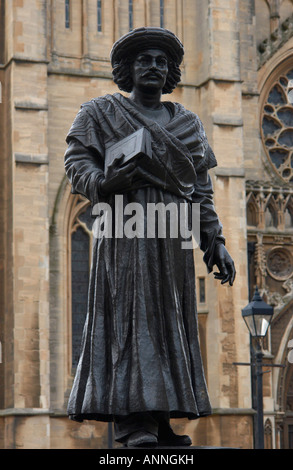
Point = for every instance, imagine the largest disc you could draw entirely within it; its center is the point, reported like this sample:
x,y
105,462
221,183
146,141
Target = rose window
x,y
277,126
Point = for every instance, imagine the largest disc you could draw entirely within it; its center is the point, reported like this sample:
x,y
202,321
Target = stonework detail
x,y
270,230
275,41
270,238
280,263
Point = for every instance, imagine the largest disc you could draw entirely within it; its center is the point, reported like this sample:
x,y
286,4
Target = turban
x,y
144,38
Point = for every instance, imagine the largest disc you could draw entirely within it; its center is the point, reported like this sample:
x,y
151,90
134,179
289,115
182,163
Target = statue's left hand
x,y
225,265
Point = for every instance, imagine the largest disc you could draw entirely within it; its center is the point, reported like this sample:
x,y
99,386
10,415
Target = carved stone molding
x,y
277,300
260,263
279,263
269,207
276,40
270,229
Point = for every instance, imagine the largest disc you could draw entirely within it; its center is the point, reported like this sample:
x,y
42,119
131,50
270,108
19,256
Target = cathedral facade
x,y
237,76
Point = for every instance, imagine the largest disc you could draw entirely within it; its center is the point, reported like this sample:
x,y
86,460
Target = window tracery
x,y
270,229
277,126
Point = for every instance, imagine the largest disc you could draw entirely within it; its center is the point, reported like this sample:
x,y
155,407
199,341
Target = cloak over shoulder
x,y
181,153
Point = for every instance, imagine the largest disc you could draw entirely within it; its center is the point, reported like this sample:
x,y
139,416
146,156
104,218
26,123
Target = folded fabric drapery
x,y
142,306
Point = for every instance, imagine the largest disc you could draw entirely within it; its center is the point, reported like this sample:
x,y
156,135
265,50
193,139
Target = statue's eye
x,y
147,61
144,61
161,62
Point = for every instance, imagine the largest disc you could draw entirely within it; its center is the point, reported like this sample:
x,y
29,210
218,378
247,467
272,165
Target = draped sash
x,y
179,149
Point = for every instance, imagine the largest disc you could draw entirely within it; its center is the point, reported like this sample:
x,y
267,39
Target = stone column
x,y
28,341
219,94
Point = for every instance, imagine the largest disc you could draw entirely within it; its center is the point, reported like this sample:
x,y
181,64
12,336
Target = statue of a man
x,y
140,361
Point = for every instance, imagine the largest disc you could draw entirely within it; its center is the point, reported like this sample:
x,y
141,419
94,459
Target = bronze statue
x,y
140,361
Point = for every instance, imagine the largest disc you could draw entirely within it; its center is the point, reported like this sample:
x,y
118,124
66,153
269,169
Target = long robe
x,y
140,346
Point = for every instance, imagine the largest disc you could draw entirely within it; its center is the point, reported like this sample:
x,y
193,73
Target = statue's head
x,y
129,46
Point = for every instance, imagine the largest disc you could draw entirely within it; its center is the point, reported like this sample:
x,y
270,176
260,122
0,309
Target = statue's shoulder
x,y
91,113
180,110
102,103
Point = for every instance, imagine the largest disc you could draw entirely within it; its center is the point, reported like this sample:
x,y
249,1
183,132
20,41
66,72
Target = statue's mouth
x,y
153,75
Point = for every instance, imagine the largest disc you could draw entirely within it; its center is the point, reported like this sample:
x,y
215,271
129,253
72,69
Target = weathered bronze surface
x,y
140,361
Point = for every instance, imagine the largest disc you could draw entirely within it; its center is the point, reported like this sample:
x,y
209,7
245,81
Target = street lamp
x,y
258,316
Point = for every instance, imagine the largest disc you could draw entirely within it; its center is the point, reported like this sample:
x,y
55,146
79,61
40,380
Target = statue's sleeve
x,y
210,225
84,160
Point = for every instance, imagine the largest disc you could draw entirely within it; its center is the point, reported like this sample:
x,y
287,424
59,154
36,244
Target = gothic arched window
x,y
81,241
99,15
268,434
277,126
162,13
130,14
67,14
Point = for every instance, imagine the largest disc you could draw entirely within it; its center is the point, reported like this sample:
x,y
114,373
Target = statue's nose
x,y
153,64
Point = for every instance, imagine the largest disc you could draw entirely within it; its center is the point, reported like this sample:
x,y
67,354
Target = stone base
x,y
184,448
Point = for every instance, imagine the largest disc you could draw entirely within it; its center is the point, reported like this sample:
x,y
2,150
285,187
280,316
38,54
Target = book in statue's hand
x,y
136,145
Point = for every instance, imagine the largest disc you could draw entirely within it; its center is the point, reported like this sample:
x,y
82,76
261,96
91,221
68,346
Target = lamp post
x,y
258,316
